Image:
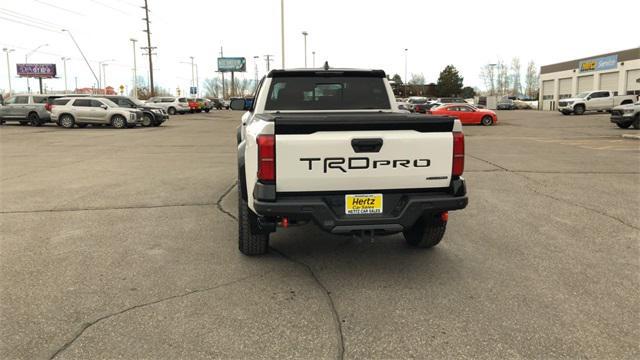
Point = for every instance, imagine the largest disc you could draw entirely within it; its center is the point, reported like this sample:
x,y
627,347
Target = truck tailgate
x,y
362,152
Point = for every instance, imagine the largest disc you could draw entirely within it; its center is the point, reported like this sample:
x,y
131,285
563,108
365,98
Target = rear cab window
x,y
327,93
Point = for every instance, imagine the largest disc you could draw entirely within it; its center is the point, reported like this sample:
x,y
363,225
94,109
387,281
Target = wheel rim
x,y
66,121
146,121
486,121
172,111
34,119
118,123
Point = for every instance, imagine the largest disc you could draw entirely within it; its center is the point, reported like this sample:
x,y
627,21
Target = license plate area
x,y
362,204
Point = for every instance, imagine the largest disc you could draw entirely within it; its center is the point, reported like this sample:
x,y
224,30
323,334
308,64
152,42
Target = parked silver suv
x,y
173,105
68,112
25,109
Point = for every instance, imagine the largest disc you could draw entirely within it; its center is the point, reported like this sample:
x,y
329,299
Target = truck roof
x,y
327,72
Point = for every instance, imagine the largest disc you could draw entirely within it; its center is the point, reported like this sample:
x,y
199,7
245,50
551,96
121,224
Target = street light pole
x,y
282,29
104,75
101,70
304,33
7,51
135,69
64,62
406,51
314,58
255,60
26,61
193,82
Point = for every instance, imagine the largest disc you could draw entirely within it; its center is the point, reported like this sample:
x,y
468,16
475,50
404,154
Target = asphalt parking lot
x,y
123,244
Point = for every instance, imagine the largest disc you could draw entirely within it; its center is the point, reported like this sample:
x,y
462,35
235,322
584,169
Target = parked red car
x,y
467,114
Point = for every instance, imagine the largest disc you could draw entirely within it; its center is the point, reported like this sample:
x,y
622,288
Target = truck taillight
x,y
458,153
266,157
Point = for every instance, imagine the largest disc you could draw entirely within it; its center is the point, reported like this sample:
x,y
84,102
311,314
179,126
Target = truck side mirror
x,y
237,104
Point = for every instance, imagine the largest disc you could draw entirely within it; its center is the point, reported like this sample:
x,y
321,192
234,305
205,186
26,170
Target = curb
x,y
629,136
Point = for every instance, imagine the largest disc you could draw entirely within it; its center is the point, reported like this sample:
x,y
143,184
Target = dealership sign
x,y
37,70
598,64
232,64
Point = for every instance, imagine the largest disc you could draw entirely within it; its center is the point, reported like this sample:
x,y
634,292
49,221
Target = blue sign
x,y
598,64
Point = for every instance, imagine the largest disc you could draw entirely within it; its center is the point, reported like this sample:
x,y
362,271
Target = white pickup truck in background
x,y
598,100
330,146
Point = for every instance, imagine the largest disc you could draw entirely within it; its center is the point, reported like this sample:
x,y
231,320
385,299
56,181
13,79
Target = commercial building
x,y
618,72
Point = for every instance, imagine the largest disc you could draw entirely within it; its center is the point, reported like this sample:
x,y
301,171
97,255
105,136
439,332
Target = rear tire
x,y
487,121
578,109
171,111
249,242
427,232
34,119
207,110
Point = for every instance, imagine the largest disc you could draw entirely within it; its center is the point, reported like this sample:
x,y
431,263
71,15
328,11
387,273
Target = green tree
x,y
397,79
468,92
449,82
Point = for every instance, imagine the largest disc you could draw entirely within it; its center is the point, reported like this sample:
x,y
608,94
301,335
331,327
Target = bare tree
x,y
417,79
516,85
213,87
532,79
502,78
488,75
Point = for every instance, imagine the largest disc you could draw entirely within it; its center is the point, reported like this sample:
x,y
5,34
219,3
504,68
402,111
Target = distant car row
x,y
81,110
455,107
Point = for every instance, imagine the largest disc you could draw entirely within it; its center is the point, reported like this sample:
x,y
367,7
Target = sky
x,y
346,33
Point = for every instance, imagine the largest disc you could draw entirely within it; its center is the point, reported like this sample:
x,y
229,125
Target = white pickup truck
x,y
330,146
598,100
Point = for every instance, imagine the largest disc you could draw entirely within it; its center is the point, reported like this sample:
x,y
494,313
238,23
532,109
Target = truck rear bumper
x,y
401,209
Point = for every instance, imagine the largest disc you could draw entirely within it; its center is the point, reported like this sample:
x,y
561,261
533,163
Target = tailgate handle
x,y
366,145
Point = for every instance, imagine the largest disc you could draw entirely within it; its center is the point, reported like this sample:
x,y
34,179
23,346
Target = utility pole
x,y
224,93
268,59
76,78
64,62
314,58
304,33
135,69
7,51
282,29
149,47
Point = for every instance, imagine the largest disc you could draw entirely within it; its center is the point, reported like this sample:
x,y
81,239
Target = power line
x,y
59,7
109,7
28,24
29,18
